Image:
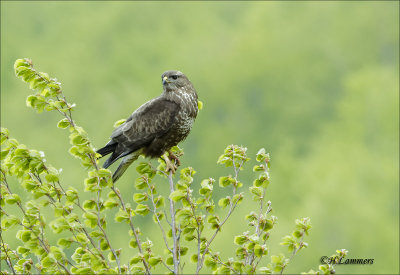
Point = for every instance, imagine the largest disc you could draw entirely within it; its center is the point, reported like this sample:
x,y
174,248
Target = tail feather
x,y
126,161
109,148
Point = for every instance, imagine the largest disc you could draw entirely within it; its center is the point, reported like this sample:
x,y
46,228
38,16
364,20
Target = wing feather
x,y
151,120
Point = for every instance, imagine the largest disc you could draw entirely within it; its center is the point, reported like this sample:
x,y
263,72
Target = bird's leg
x,y
172,156
169,165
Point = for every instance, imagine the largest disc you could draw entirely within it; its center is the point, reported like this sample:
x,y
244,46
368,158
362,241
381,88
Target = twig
x,y
231,209
172,211
145,263
158,220
8,259
294,252
104,233
43,244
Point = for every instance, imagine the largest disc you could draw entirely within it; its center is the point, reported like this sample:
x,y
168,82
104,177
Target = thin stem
x,y
231,209
173,225
8,259
155,214
104,233
228,266
294,251
145,263
43,244
192,206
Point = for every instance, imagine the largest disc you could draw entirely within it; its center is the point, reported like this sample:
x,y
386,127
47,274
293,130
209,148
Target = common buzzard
x,y
156,126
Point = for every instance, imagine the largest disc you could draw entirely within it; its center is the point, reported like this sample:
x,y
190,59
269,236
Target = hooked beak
x,y
165,80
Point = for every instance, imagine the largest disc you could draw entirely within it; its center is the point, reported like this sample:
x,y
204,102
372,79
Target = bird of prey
x,y
156,126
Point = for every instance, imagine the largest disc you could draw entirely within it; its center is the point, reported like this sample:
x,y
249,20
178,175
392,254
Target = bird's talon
x,y
169,165
172,156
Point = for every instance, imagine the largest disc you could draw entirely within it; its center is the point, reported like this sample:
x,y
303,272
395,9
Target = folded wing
x,y
152,120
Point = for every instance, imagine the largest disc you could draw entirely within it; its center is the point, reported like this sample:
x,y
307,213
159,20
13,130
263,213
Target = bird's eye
x,y
174,77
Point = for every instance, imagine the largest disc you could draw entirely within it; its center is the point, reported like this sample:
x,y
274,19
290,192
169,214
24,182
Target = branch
x,y
145,263
41,241
8,259
174,237
155,214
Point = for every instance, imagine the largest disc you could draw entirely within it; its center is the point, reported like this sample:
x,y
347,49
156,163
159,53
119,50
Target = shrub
x,y
182,216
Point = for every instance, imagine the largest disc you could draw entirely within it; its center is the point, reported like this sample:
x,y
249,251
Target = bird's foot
x,y
172,156
169,165
171,161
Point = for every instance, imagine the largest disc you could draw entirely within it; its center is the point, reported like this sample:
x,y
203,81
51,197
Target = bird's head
x,y
174,80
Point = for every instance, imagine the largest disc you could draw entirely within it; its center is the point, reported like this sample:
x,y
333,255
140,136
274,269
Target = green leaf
x,y
121,216
226,181
26,235
96,234
145,168
258,168
4,154
104,245
84,270
63,242
170,261
119,122
77,139
140,197
12,199
258,250
199,105
133,243
183,250
265,270
52,178
183,214
263,181
303,224
135,260
81,237
278,260
63,123
25,62
158,215
22,250
141,183
153,261
186,175
102,172
257,191
266,224
89,204
111,257
159,201
142,209
261,156
224,202
90,216
110,203
237,265
241,239
48,261
194,258
297,233
210,262
57,253
177,195
72,194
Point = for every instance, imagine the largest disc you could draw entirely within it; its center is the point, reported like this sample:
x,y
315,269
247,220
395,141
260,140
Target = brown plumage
x,y
156,126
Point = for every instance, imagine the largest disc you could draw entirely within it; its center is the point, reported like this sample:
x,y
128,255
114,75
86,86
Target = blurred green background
x,y
314,83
